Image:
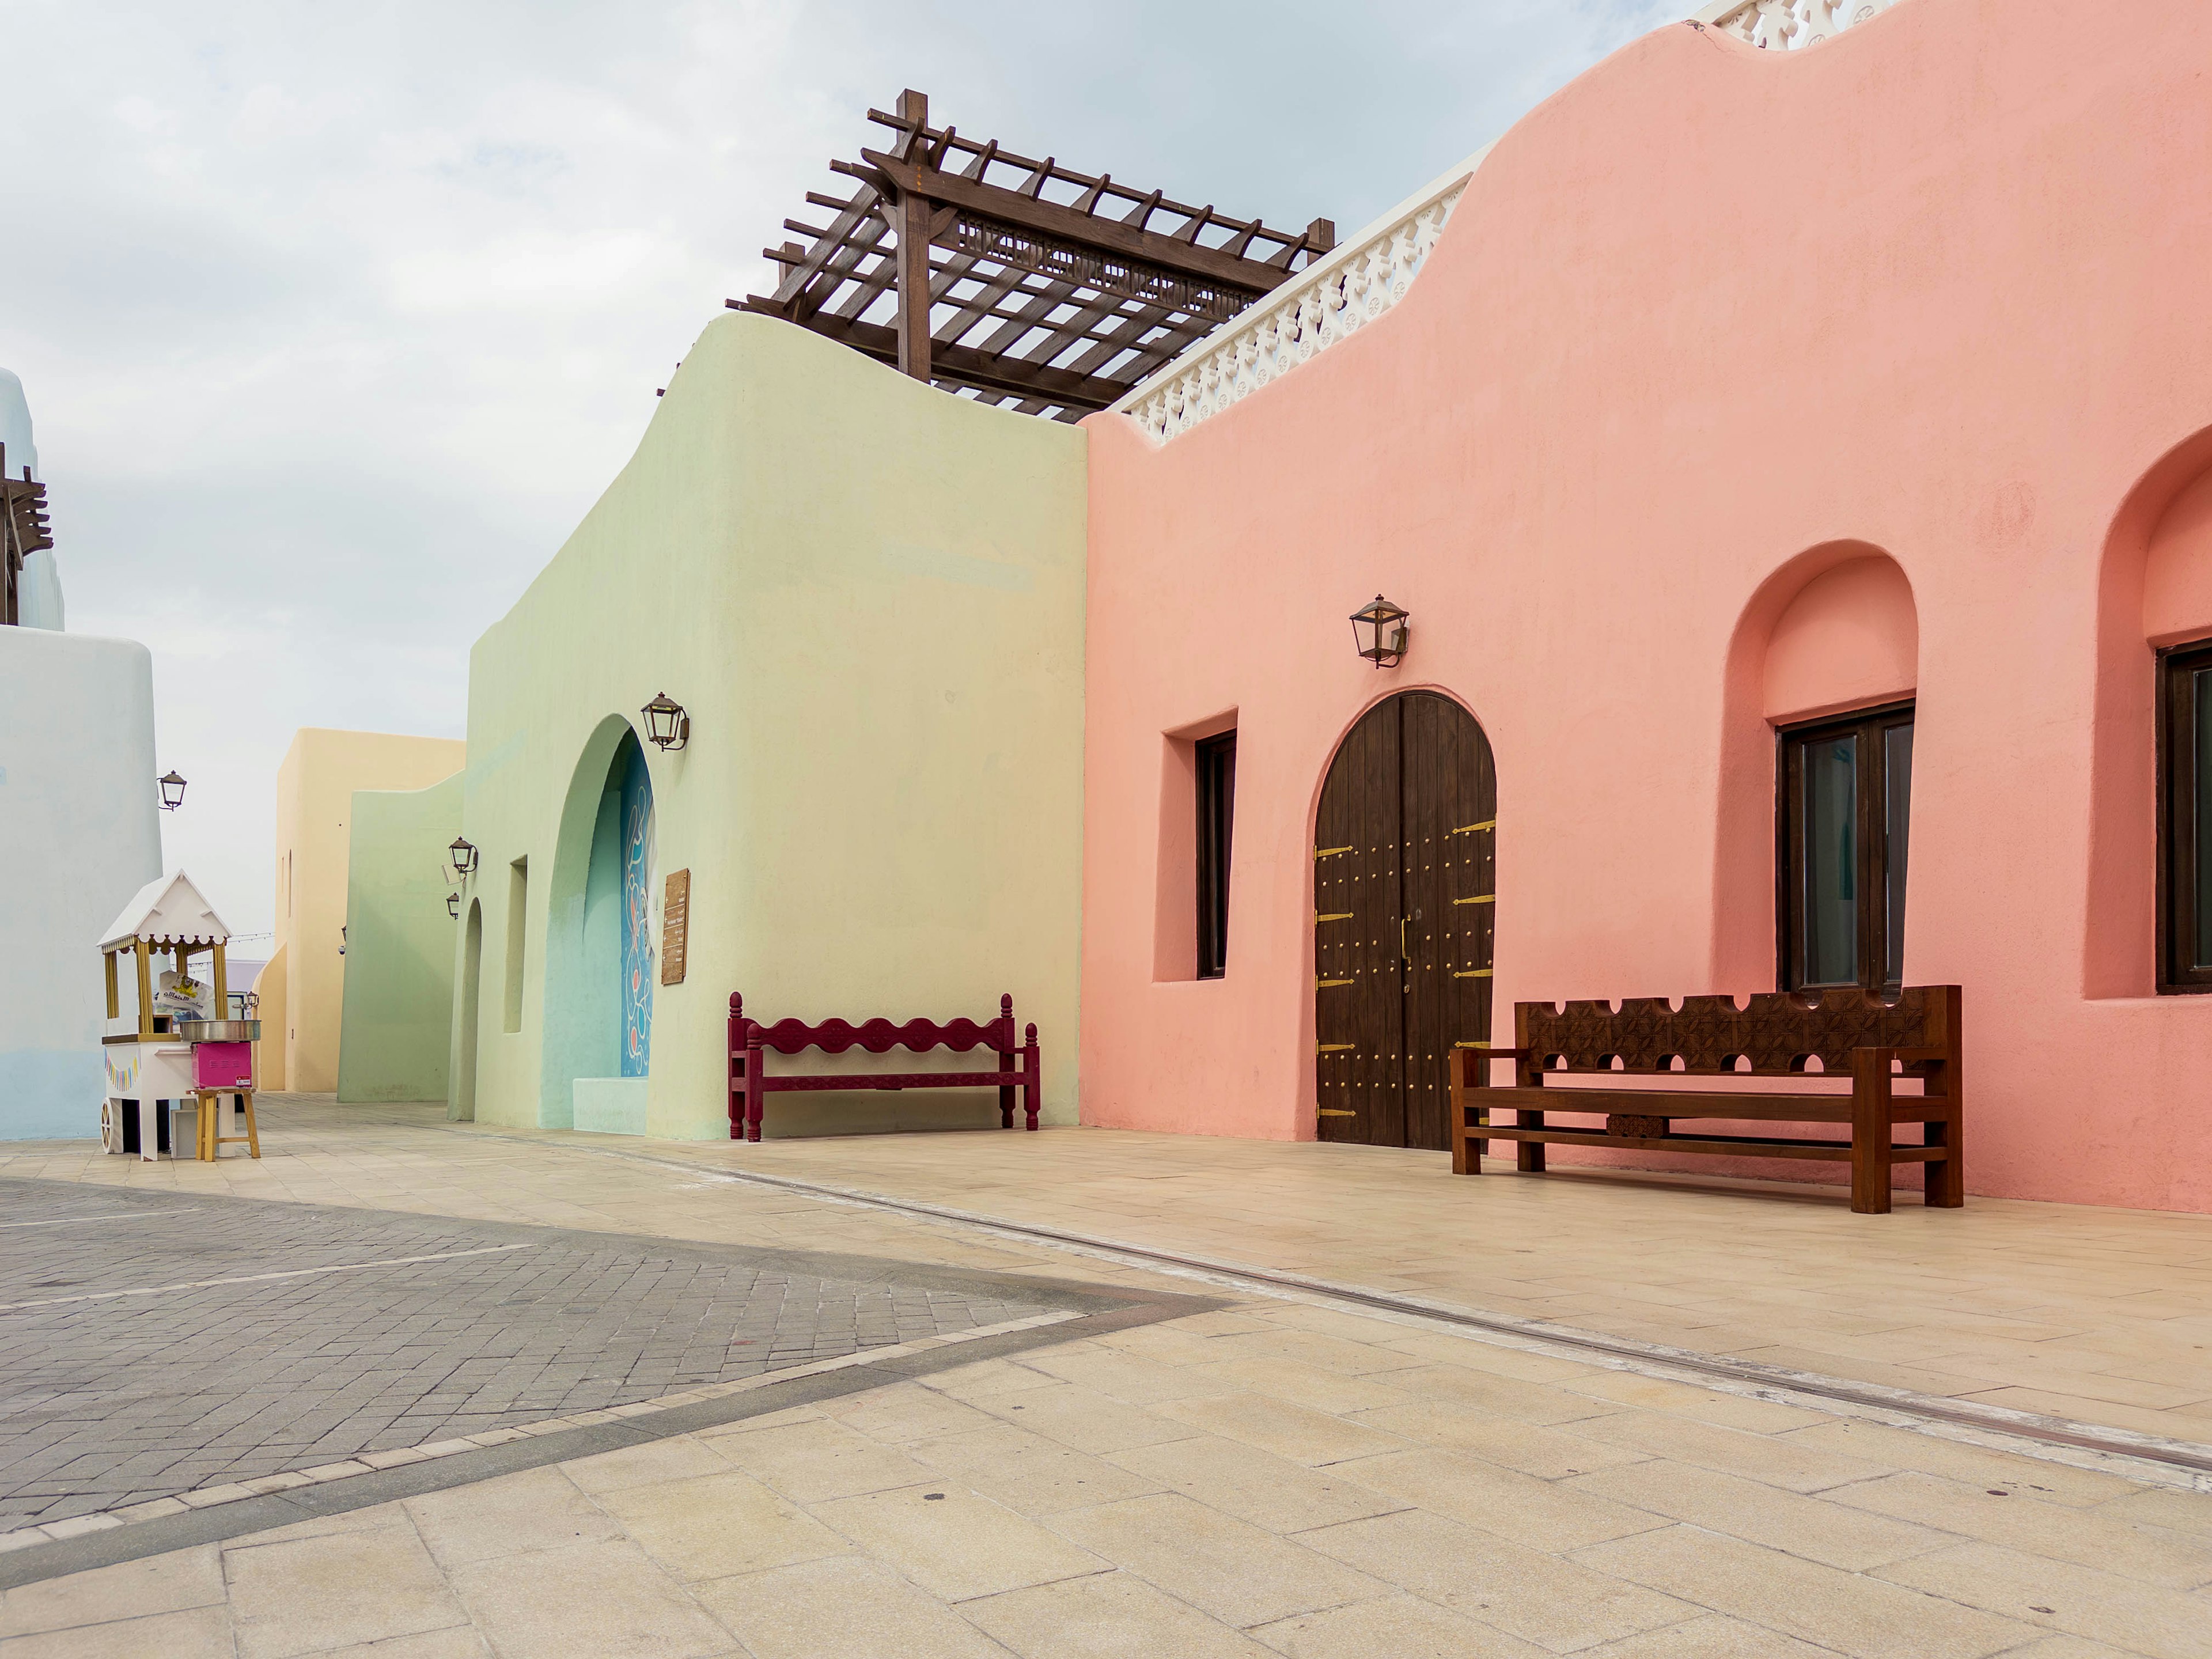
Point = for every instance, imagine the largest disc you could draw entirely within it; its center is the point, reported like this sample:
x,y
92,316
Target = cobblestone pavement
x,y
150,1344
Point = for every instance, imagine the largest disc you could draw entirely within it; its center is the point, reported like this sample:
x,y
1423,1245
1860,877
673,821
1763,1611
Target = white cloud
x,y
336,321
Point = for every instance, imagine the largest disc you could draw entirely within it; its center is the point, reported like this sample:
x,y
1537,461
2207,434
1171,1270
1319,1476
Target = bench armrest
x,y
1477,1076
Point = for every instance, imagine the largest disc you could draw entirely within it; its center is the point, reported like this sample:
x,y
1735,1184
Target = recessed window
x,y
1844,819
1216,765
2184,819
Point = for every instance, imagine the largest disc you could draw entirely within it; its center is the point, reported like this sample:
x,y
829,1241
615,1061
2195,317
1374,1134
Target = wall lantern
x,y
454,906
172,793
464,858
1379,630
666,723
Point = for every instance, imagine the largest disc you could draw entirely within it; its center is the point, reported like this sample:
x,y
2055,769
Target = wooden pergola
x,y
1017,282
23,531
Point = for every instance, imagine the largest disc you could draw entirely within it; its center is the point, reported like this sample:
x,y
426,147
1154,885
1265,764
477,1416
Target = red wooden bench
x,y
1857,1037
751,1082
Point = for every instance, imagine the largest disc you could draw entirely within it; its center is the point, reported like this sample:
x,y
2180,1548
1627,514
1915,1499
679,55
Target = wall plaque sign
x,y
675,927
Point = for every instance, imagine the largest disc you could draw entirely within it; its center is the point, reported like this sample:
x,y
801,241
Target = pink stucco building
x,y
1841,416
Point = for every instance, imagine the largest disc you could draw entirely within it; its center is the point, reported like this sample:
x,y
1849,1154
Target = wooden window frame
x,y
2176,821
1214,763
1871,728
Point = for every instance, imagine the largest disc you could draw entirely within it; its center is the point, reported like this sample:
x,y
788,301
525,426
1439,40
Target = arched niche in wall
x,y
2155,589
579,1005
1834,628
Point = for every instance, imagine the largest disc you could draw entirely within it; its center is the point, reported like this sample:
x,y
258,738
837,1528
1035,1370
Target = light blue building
x,y
80,832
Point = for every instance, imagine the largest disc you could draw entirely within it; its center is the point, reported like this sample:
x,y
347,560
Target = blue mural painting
x,y
637,940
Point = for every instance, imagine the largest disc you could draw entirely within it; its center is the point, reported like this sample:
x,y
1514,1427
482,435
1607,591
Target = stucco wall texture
x,y
315,785
80,833
869,597
398,991
1920,307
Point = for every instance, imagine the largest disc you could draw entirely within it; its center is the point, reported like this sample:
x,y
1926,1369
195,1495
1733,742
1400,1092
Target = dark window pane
x,y
1217,810
1831,861
1897,816
2200,704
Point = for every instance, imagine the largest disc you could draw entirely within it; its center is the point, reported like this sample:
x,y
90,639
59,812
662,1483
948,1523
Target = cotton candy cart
x,y
166,1057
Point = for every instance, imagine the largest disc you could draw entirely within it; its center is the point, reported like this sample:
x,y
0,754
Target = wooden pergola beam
x,y
1011,207
1062,268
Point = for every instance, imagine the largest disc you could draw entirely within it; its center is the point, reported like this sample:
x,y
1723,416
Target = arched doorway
x,y
600,928
1405,907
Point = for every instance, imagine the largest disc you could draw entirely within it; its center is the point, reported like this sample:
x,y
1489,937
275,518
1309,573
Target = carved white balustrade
x,y
1788,24
1335,297
1329,299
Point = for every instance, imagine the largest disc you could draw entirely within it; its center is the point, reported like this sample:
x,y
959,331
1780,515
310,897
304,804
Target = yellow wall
x,y
314,800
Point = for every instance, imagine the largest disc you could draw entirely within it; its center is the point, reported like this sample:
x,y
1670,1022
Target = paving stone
x,y
130,1398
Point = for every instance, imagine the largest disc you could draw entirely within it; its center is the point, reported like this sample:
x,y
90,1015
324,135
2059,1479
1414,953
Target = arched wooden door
x,y
1405,909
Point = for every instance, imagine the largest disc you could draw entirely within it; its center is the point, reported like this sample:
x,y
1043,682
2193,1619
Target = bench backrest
x,y
835,1036
1779,1033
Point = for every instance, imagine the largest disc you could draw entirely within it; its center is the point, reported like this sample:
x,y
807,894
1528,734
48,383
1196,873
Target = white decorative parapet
x,y
1353,286
1319,307
1788,24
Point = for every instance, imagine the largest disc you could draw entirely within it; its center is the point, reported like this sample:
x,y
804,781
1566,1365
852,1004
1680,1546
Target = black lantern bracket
x,y
1379,630
667,728
454,906
172,793
464,855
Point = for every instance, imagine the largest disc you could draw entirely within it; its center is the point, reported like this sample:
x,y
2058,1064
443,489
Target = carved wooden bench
x,y
1854,1035
752,1042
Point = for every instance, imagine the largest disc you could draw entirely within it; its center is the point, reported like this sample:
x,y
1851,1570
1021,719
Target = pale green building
x,y
868,598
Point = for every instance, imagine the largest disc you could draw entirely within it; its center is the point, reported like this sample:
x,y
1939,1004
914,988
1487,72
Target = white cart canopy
x,y
167,911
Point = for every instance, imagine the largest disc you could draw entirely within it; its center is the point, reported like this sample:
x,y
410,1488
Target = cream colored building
x,y
302,990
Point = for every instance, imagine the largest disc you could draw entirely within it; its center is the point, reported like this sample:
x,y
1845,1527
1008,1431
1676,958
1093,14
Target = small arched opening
x,y
1812,853
599,940
2149,917
465,1066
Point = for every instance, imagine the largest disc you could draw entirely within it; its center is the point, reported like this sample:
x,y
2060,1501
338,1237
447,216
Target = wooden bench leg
x,y
252,1133
1943,1185
1032,1076
756,1078
1528,1155
1870,1131
1467,1147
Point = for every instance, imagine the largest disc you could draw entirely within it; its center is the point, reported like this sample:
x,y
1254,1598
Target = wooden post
x,y
1008,1054
145,992
1529,1073
1469,1070
737,1067
222,986
1944,1184
114,990
1032,1077
913,250
1870,1131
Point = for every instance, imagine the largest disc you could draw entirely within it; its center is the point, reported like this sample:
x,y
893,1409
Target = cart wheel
x,y
111,1126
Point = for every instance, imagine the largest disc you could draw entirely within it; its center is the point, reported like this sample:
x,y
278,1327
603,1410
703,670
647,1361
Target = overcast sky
x,y
333,320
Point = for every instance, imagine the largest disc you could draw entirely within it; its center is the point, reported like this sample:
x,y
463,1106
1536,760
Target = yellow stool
x,y
211,1137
